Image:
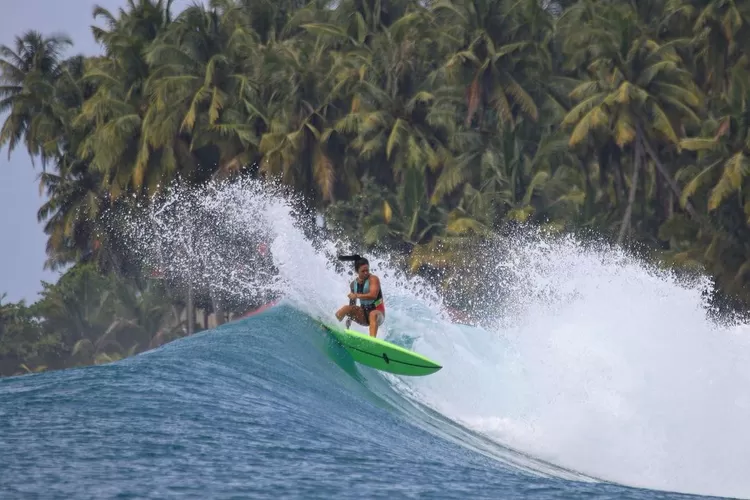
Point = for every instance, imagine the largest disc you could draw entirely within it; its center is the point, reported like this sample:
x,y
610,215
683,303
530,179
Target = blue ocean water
x,y
266,407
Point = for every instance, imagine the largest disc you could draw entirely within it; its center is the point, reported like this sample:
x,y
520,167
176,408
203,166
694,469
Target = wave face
x,y
265,407
597,376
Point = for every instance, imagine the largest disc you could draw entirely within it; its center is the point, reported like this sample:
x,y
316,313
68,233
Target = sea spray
x,y
211,238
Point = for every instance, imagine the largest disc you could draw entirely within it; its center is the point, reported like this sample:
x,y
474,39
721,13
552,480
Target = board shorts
x,y
369,308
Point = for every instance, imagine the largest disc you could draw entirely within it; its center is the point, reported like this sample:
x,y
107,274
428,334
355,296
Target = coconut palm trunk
x,y
670,181
637,165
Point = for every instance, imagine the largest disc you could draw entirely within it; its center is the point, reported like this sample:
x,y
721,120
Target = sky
x,y
22,238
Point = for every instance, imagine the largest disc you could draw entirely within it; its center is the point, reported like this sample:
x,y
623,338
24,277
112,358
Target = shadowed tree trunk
x,y
637,165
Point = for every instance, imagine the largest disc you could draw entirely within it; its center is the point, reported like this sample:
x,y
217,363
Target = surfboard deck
x,y
381,354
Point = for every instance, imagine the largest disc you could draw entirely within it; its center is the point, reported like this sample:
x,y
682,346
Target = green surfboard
x,y
382,355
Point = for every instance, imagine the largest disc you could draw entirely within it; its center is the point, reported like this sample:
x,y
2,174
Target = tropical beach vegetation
x,y
420,126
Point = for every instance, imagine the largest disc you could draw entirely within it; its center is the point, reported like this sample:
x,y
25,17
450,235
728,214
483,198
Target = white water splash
x,y
611,369
209,238
602,365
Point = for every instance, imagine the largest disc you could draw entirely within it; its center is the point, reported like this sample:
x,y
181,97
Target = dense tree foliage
x,y
419,125
86,317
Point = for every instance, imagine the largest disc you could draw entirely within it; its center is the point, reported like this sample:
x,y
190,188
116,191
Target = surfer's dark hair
x,y
359,261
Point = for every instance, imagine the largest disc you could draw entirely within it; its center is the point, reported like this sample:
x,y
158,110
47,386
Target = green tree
x,y
637,93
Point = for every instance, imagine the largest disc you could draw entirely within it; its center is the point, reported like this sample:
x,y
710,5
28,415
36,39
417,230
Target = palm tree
x,y
29,72
637,92
393,119
720,33
114,114
296,144
494,57
201,93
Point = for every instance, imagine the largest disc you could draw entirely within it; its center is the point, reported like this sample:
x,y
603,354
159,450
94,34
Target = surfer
x,y
366,288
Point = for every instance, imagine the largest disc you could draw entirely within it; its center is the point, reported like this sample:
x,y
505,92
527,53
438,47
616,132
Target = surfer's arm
x,y
374,289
